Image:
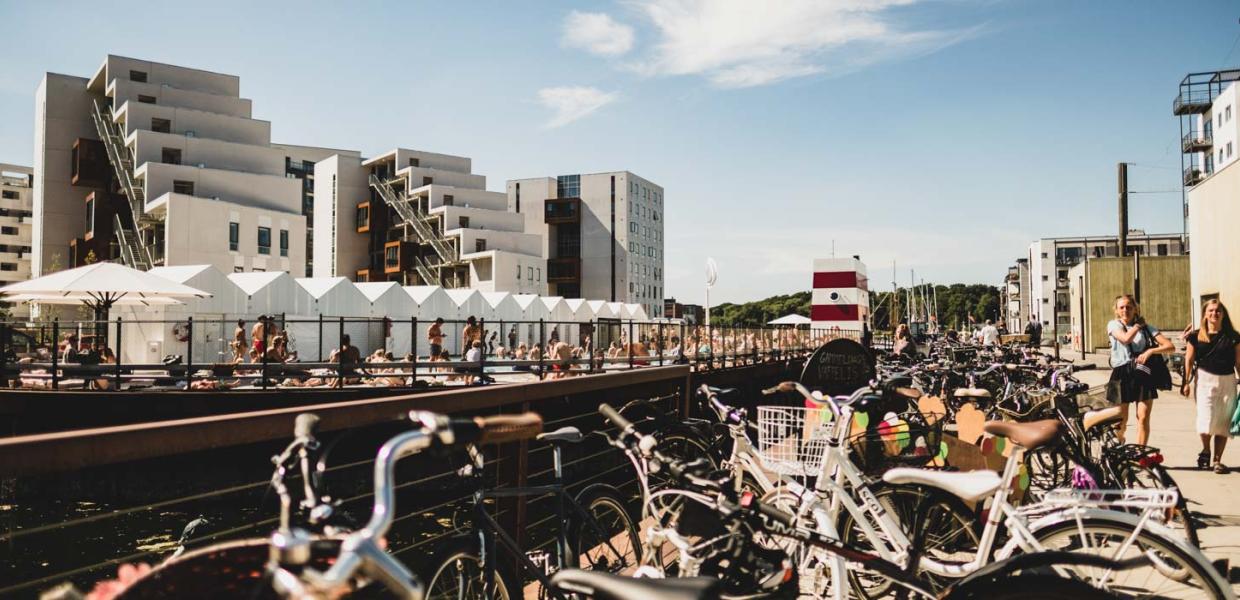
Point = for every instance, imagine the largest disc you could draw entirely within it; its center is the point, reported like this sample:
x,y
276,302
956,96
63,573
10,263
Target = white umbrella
x,y
793,319
100,286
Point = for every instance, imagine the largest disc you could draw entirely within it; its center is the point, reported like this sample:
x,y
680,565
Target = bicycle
x,y
593,530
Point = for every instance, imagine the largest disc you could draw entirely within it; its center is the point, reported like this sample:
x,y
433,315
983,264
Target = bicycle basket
x,y
792,440
898,440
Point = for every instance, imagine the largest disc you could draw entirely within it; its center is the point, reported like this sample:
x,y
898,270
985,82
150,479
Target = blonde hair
x,y
1136,308
1224,326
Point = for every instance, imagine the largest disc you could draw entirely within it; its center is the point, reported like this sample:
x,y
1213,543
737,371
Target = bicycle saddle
x,y
1030,435
1103,416
969,486
570,435
605,586
971,393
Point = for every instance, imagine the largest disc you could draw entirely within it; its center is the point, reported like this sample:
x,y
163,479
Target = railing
x,y
411,215
1193,176
122,165
1192,102
131,252
424,271
1195,141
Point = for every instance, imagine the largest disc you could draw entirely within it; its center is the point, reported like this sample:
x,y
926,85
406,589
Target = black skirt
x,y
1123,387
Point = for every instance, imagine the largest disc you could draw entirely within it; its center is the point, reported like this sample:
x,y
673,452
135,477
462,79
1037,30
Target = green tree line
x,y
955,302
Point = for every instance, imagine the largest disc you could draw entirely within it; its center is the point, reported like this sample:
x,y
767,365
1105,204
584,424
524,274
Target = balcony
x,y
1192,102
1193,175
397,257
562,210
1196,141
563,270
88,163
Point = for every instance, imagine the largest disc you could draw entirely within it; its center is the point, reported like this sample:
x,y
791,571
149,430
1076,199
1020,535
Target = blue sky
x,y
942,134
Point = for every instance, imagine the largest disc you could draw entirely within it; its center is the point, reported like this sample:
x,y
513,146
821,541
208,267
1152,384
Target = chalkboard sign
x,y
838,367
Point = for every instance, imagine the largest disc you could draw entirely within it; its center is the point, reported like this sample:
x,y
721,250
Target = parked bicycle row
x,y
805,495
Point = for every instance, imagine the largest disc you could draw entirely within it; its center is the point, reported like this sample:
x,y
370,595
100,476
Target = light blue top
x,y
1120,353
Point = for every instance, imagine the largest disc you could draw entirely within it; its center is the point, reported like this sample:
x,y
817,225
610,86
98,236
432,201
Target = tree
x,y
955,303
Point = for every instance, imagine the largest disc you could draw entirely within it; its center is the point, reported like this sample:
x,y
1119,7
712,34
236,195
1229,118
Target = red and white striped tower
x,y
841,296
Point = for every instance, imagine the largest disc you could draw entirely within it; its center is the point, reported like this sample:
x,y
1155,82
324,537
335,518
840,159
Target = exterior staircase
x,y
417,220
133,251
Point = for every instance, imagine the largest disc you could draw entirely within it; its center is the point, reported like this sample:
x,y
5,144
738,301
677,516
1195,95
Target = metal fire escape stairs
x,y
134,252
426,234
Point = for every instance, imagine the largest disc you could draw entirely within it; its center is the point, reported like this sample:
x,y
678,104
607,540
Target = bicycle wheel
x,y
1176,570
610,541
1028,587
1155,477
949,532
455,573
685,444
1048,469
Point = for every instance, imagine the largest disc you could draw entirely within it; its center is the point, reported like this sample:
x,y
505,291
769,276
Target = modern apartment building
x,y
157,164
1049,260
1209,134
1014,296
602,235
421,218
16,222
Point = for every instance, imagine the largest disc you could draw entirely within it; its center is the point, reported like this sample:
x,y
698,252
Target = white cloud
x,y
742,43
597,33
573,102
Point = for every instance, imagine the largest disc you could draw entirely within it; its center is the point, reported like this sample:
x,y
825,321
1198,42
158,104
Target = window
x,y
1043,255
139,76
90,216
413,162
161,125
538,274
362,217
170,156
1227,111
8,266
1045,278
391,257
568,186
234,236
463,222
13,230
480,245
1228,149
529,273
518,272
428,180
1162,249
146,99
283,242
238,269
264,240
183,187
633,226
9,195
1220,156
1220,121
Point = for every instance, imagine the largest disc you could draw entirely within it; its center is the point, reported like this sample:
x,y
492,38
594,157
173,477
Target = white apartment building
x,y
421,218
158,164
1210,132
1049,260
16,222
602,235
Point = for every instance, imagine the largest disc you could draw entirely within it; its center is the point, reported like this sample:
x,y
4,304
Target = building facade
x,y
1210,131
1050,259
691,314
16,222
1094,284
156,164
421,218
602,235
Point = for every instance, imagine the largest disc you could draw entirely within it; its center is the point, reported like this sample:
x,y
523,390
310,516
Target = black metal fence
x,y
206,354
75,505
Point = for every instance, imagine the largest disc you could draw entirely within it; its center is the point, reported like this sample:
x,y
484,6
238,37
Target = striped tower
x,y
841,296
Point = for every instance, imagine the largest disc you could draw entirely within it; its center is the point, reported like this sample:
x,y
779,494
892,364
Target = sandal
x,y
1203,460
1220,468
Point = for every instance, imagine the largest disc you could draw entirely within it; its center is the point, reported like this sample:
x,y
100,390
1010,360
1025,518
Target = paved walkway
x,y
1215,498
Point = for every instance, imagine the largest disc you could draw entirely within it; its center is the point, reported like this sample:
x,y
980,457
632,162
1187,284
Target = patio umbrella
x,y
793,319
100,286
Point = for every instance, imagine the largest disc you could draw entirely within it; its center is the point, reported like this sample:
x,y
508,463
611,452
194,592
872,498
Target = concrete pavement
x,y
1214,498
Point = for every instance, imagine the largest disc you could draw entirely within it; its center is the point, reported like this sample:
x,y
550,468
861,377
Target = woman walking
x,y
1133,343
1213,351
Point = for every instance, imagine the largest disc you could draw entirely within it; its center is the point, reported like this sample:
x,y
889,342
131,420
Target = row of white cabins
x,y
310,305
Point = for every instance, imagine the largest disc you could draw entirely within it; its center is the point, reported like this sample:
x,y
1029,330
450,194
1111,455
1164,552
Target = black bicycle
x,y
594,531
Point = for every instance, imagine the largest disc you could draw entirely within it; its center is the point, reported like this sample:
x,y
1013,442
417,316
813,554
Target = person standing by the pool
x,y
1211,357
